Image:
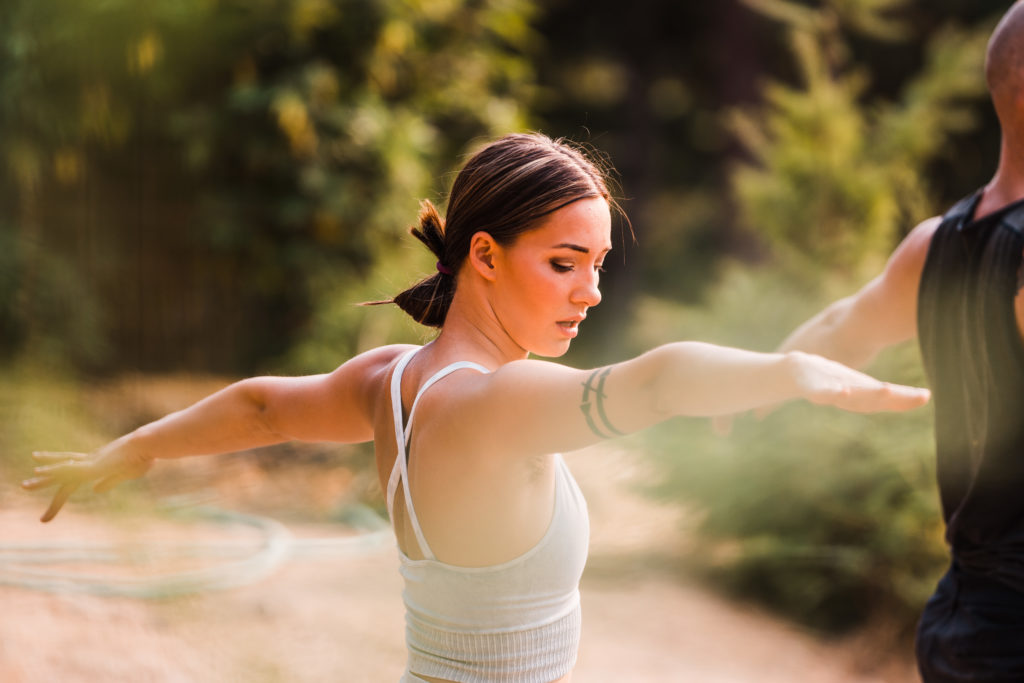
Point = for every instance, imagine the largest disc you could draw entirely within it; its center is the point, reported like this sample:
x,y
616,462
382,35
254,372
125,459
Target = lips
x,y
571,327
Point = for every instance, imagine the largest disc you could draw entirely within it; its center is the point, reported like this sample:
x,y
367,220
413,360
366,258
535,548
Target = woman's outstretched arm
x,y
254,412
529,407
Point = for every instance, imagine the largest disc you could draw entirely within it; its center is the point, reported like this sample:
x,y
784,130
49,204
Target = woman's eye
x,y
561,267
600,268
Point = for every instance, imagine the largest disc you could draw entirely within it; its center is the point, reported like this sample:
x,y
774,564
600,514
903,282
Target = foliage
x,y
341,327
835,178
259,143
836,525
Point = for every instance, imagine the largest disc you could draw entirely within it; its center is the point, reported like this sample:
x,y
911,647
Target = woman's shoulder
x,y
384,355
364,378
376,363
366,373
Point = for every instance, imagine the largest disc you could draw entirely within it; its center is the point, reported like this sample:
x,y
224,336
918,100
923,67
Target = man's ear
x,y
483,249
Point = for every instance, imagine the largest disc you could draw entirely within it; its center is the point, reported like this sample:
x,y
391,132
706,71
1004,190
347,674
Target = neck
x,y
1007,185
472,332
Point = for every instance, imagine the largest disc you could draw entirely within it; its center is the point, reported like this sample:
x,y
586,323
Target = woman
x,y
491,527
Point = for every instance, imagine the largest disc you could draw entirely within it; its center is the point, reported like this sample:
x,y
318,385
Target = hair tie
x,y
443,269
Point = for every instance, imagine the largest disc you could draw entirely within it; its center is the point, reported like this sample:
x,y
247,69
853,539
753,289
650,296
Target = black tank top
x,y
974,357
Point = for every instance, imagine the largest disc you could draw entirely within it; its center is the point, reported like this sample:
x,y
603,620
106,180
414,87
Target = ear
x,y
483,250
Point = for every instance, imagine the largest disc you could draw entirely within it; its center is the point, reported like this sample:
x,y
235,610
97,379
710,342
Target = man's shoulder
x,y
913,250
964,208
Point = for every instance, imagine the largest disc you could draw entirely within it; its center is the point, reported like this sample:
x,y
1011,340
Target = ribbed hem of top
x,y
537,655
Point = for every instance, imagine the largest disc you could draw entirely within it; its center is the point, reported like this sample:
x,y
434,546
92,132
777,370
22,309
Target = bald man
x,y
956,283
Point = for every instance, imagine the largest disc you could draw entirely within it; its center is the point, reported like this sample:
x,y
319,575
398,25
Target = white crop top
x,y
516,621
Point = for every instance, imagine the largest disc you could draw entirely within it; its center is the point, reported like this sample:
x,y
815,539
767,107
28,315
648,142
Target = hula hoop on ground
x,y
31,565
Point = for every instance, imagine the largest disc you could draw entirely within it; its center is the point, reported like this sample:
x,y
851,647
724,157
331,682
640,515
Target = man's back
x,y
973,353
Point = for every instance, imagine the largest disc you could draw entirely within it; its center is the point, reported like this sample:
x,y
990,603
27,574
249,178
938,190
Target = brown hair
x,y
504,189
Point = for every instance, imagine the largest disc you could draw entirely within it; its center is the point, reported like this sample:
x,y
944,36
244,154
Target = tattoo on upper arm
x,y
593,397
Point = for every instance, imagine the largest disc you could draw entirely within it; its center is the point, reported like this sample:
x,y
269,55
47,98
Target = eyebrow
x,y
574,247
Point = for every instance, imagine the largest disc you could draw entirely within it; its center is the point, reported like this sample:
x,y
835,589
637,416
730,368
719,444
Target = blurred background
x,y
193,191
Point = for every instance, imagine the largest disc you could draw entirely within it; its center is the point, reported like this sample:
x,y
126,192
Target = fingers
x,y
52,463
832,383
62,468
36,483
47,474
880,397
53,457
59,498
57,468
894,397
900,397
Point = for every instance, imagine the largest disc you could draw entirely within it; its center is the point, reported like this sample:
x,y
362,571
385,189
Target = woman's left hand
x,y
826,382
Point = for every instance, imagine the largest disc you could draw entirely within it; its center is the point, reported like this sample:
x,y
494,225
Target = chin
x,y
552,351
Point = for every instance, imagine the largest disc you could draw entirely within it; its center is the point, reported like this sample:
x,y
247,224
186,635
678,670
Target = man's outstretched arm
x,y
853,330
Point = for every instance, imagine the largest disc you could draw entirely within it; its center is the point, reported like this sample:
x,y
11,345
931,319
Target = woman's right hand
x,y
105,469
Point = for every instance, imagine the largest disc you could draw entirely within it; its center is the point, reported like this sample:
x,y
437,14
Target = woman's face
x,y
548,278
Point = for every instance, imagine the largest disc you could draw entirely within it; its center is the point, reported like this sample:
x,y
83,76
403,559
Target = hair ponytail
x,y
428,300
431,229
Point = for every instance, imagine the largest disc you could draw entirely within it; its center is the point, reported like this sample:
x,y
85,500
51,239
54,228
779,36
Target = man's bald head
x,y
1004,62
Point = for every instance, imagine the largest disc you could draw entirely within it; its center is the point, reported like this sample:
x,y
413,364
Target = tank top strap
x,y
963,211
567,491
1014,219
400,470
440,374
396,408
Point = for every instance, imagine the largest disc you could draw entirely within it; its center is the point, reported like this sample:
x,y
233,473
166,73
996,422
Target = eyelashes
x,y
563,268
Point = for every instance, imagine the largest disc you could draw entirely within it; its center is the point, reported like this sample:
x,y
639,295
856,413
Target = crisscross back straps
x,y
403,430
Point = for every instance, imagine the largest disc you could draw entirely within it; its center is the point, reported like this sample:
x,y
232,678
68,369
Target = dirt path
x,y
340,619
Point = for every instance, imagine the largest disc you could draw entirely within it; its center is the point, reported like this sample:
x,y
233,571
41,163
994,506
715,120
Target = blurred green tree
x,y
835,178
181,175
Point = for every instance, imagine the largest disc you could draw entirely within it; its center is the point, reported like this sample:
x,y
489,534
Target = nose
x,y
587,292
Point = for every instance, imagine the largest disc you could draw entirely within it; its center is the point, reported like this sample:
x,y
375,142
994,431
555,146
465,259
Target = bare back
x,y
476,508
